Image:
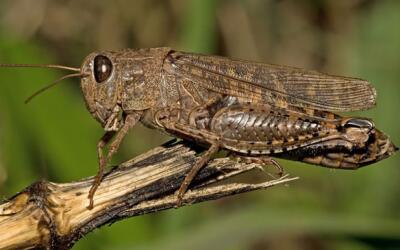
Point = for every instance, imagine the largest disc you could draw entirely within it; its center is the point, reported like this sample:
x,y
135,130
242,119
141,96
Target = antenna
x,y
53,84
49,66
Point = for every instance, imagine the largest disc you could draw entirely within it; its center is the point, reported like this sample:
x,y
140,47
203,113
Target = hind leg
x,y
200,163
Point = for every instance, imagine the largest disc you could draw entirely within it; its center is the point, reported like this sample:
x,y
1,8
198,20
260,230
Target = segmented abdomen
x,y
263,130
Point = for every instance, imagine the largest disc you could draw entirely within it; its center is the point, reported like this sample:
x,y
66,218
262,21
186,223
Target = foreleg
x,y
129,122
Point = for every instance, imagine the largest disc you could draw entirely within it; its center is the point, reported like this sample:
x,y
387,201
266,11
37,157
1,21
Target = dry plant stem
x,y
54,216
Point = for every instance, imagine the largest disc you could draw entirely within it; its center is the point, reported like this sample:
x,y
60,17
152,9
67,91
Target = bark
x,y
54,215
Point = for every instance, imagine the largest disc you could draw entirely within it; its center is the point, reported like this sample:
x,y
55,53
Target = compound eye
x,y
102,68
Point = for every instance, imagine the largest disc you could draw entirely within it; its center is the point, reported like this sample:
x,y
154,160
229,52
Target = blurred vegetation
x,y
54,137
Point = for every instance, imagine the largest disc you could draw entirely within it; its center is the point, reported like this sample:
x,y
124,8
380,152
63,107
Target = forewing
x,y
273,84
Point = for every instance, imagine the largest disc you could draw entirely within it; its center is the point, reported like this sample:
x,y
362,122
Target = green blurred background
x,y
54,137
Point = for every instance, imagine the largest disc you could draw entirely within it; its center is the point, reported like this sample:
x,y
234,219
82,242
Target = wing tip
x,y
370,96
356,102
373,96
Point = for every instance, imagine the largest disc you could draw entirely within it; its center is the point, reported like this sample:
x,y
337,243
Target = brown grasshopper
x,y
253,110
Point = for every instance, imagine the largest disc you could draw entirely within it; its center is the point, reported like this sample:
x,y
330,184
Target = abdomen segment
x,y
263,130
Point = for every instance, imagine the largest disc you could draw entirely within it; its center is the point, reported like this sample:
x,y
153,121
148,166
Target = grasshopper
x,y
255,111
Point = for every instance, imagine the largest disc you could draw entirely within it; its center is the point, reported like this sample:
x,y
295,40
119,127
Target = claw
x,y
263,160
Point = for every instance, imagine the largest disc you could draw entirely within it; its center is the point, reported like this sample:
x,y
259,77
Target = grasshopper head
x,y
102,85
127,80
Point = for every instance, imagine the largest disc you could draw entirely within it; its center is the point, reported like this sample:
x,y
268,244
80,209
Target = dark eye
x,y
102,68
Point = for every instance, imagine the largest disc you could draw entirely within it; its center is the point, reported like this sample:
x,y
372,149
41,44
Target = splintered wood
x,y
54,216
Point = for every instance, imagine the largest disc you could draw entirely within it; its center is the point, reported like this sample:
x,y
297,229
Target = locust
x,y
255,111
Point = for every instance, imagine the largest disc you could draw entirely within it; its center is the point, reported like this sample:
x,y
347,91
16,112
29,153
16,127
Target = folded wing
x,y
273,84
